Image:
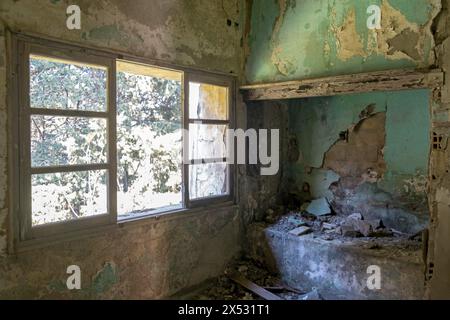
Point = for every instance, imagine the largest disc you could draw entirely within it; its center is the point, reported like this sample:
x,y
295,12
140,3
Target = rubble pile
x,y
317,217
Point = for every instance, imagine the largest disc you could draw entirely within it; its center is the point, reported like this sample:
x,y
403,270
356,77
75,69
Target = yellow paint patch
x,y
349,43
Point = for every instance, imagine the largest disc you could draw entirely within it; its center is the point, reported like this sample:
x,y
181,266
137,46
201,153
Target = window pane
x,y
207,141
59,84
149,138
208,101
208,180
57,141
68,196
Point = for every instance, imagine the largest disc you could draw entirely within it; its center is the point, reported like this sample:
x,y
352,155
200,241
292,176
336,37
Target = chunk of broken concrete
x,y
319,207
355,216
328,226
298,222
300,231
365,227
313,295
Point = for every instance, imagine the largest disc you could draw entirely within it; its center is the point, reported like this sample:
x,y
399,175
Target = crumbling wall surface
x,y
191,33
292,39
148,260
439,250
366,153
158,258
261,193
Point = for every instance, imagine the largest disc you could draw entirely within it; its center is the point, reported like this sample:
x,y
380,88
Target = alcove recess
x,y
363,143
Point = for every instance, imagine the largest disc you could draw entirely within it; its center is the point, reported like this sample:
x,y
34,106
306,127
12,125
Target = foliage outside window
x,y
104,140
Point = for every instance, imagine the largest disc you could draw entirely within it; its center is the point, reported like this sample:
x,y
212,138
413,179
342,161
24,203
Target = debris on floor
x,y
246,280
319,207
313,218
301,231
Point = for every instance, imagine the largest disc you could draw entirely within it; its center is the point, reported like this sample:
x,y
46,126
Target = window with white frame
x,y
103,139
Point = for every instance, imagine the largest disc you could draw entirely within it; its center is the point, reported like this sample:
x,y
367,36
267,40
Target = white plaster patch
x,y
417,184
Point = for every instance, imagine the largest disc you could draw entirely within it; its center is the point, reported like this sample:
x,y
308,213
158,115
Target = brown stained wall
x,y
359,157
145,259
438,274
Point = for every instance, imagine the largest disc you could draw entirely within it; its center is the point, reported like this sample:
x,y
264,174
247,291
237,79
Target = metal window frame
x,y
221,81
26,230
20,46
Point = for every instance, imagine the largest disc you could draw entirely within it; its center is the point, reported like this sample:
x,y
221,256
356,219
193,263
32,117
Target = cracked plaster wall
x,y
289,40
293,39
152,259
380,170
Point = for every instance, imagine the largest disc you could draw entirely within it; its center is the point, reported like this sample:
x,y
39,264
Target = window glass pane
x,y
57,141
149,138
208,101
60,84
207,141
68,196
208,180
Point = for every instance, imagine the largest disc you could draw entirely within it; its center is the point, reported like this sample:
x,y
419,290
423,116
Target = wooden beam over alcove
x,y
391,80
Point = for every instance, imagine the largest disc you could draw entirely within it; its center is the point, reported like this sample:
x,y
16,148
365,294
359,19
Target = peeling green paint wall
x,y
294,39
317,122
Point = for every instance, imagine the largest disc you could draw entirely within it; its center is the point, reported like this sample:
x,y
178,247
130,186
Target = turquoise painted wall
x,y
317,122
295,39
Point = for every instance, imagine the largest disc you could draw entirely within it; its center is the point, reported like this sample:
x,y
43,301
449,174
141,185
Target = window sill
x,y
129,222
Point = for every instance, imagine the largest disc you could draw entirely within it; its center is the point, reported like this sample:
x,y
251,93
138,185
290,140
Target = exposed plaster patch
x,y
416,185
407,42
360,158
413,44
283,65
349,42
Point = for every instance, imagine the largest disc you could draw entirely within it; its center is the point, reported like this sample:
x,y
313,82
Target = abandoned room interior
x,y
225,149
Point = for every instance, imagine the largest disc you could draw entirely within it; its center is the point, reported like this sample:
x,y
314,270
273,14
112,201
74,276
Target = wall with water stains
x,y
283,39
153,258
291,40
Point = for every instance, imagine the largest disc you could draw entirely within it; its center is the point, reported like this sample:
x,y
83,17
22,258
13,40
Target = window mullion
x,y
25,157
209,121
112,141
207,160
69,168
68,113
185,161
